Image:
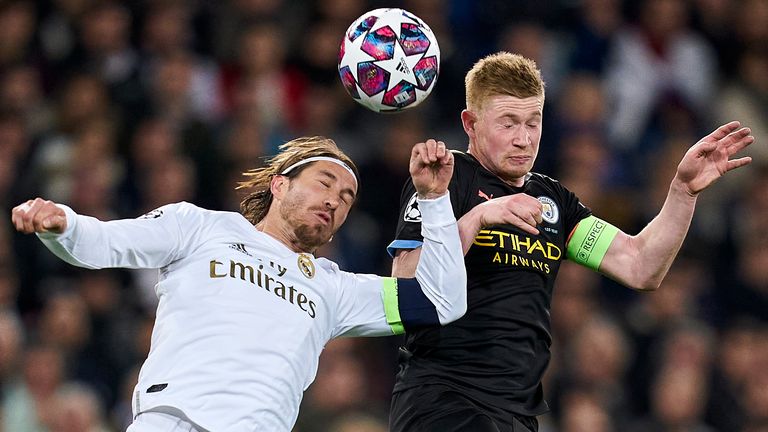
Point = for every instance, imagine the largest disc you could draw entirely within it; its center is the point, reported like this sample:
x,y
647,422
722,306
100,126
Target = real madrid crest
x,y
306,266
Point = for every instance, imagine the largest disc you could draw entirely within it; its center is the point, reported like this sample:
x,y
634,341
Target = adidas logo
x,y
402,67
240,248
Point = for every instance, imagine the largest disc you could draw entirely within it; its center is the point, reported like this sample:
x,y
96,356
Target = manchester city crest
x,y
549,211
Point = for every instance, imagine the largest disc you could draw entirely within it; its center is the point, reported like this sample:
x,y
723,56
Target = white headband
x,y
320,158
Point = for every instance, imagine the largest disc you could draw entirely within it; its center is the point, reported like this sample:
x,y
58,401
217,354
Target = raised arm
x,y
642,261
436,291
440,271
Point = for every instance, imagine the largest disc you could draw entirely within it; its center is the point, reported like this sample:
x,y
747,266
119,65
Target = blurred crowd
x,y
118,107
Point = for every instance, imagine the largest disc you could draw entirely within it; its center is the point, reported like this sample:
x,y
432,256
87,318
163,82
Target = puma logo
x,y
482,194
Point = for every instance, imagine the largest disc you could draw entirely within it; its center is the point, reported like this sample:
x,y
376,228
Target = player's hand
x,y
520,210
431,168
709,159
39,216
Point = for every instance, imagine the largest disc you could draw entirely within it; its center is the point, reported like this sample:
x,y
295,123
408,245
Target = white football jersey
x,y
242,319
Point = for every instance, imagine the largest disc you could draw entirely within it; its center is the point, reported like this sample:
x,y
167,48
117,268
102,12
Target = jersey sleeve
x,y
408,231
150,241
574,211
379,306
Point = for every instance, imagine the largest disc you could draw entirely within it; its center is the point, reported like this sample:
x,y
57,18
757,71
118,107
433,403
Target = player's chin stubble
x,y
309,237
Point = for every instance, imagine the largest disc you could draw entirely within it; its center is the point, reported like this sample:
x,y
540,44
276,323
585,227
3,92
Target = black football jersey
x,y
498,352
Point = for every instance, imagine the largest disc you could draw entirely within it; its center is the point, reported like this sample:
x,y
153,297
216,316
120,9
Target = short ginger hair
x,y
502,73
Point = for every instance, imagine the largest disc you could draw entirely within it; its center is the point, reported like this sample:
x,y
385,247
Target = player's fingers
x,y
724,130
440,150
447,158
417,154
531,219
55,223
526,224
28,217
50,218
741,132
521,215
45,209
737,163
17,215
431,151
417,149
704,146
740,139
537,217
538,212
737,135
531,210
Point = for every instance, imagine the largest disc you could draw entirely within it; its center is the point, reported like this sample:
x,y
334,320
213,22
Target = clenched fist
x,y
39,216
431,168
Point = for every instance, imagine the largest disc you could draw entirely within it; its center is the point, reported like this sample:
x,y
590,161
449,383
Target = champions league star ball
x,y
389,60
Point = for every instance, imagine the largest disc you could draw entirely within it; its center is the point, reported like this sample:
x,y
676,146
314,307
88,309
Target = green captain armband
x,y
391,308
590,241
406,306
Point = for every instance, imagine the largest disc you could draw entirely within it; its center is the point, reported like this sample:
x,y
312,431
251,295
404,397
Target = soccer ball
x,y
389,60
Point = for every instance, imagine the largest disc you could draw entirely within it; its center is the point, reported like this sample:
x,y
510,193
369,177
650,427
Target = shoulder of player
x,y
463,160
549,190
465,167
188,208
546,181
191,214
329,271
327,265
332,269
542,178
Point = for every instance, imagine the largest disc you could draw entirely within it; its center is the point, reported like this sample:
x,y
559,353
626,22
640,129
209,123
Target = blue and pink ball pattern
x,y
389,60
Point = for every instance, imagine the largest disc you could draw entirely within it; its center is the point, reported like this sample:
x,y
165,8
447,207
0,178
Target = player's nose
x,y
521,137
331,203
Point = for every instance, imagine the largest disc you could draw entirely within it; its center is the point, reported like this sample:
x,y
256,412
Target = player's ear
x,y
468,120
279,186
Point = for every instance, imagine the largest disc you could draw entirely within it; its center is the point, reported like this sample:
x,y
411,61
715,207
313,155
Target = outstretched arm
x,y
147,242
642,261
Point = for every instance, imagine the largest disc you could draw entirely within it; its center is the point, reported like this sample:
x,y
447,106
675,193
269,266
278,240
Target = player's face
x,y
317,203
505,135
